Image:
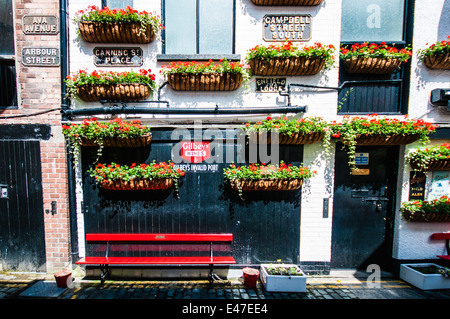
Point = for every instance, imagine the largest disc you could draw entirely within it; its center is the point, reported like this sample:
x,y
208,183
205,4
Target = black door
x,y
265,225
363,208
22,244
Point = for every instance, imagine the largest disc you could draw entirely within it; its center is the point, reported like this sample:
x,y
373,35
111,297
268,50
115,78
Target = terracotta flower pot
x,y
97,32
292,66
296,138
287,2
137,184
122,91
433,165
371,65
138,141
426,217
381,139
266,184
439,62
205,81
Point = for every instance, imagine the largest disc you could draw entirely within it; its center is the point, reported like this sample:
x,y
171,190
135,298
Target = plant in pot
x,y
110,85
307,130
154,176
205,76
373,58
375,130
283,278
436,210
426,276
437,55
117,25
289,59
114,133
266,177
436,158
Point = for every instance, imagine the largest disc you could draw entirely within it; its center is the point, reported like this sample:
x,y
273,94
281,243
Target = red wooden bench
x,y
446,237
172,239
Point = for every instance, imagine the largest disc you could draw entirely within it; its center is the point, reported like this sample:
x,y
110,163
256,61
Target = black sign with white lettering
x,y
417,182
40,56
118,56
270,85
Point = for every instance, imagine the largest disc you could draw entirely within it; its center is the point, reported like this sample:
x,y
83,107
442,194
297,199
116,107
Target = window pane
x,y
216,26
6,28
180,26
119,4
372,20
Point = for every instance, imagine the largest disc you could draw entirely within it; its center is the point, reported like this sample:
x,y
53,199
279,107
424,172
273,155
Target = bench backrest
x,y
441,236
160,237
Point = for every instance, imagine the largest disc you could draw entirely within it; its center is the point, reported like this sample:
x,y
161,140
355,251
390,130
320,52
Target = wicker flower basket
x,y
433,165
287,2
266,184
121,91
286,66
97,32
137,184
205,81
295,139
426,217
371,65
381,139
439,62
138,141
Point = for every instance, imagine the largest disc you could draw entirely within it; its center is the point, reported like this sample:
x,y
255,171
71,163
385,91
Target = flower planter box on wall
x,y
137,184
433,165
138,141
266,184
371,65
295,139
205,81
283,283
289,66
287,2
437,61
421,280
98,32
426,217
380,139
122,91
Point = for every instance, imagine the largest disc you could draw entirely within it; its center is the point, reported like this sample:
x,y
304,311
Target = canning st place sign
x,y
287,27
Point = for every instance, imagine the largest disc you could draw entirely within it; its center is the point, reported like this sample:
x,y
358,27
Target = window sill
x,y
197,57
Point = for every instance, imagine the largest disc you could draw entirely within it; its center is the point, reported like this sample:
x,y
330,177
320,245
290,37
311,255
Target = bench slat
x,y
159,237
446,257
155,260
441,236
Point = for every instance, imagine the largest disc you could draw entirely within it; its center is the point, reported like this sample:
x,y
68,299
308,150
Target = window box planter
x,y
436,158
283,283
382,139
425,281
437,61
121,92
371,65
137,184
432,165
102,32
436,210
288,66
205,81
287,2
437,216
279,184
117,141
293,139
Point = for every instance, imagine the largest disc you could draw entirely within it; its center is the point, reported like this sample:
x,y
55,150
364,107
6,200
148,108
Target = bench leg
x,y
104,274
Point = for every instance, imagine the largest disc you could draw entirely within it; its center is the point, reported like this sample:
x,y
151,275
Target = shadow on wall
x,y
444,22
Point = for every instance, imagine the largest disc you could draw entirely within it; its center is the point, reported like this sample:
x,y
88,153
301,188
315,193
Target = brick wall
x,y
39,91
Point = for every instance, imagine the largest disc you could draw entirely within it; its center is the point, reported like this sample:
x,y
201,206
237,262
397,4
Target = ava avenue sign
x,y
40,24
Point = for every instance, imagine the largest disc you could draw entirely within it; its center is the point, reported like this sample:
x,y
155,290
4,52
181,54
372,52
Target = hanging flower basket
x,y
437,210
286,59
121,91
98,32
293,139
437,55
127,25
382,139
373,58
280,184
205,81
117,141
137,184
359,65
287,2
433,165
436,158
439,62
